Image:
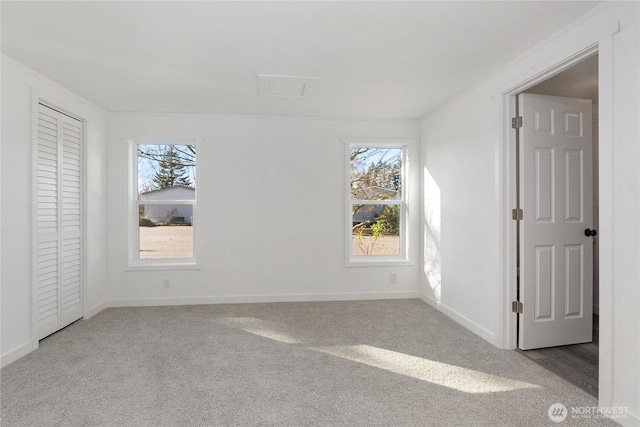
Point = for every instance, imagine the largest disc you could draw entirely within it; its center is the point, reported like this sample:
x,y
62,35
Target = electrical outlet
x,y
393,277
166,283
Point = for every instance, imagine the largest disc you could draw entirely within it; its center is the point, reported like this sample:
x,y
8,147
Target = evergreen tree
x,y
172,170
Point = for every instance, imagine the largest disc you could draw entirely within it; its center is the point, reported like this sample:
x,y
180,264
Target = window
x,y
163,207
376,207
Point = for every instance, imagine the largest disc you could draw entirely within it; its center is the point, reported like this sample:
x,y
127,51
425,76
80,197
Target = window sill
x,y
163,266
374,262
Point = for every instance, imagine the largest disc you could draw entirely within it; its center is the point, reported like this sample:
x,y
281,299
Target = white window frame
x,y
378,260
135,262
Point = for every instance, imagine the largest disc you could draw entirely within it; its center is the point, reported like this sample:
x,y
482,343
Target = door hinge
x,y
516,122
516,307
517,214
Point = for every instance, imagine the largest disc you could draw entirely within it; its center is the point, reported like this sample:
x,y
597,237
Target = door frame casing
x,y
39,96
506,336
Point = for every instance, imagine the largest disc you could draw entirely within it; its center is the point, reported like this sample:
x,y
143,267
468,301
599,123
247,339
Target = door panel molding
x,y
552,273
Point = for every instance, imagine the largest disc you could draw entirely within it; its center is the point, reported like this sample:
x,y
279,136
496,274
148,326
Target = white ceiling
x,y
370,59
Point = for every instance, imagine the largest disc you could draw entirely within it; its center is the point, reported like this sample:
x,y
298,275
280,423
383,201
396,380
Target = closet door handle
x,y
590,233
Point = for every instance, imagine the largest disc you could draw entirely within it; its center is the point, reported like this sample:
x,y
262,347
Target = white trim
x,y
379,142
160,139
382,262
404,258
233,299
459,318
629,421
133,262
96,309
2,364
15,354
166,202
388,202
26,348
84,216
164,264
35,101
506,329
506,320
605,219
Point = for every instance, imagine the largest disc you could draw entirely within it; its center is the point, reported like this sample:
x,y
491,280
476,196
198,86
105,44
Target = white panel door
x,y
57,271
556,262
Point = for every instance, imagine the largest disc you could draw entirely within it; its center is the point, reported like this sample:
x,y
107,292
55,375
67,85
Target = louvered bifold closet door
x,y
71,298
58,222
46,267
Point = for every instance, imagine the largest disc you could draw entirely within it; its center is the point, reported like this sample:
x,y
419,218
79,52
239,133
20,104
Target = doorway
x,y
576,363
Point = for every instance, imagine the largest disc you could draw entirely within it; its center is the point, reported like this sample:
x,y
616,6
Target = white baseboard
x,y
628,421
96,309
459,318
26,348
233,299
15,354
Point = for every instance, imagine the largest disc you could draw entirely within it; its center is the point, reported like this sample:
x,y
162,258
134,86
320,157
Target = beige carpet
x,y
364,363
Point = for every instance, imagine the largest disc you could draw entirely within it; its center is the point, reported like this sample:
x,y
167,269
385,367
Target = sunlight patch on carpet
x,y
443,374
259,327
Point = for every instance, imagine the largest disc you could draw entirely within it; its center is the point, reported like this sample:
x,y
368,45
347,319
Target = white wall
x,y
461,211
18,83
272,198
462,164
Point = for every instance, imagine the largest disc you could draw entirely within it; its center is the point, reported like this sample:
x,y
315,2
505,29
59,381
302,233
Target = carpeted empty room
x,y
319,213
390,363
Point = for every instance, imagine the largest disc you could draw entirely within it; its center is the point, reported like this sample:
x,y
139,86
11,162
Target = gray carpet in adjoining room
x,y
358,363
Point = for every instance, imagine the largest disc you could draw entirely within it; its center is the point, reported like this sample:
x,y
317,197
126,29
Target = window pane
x,y
159,215
375,173
166,172
165,231
376,230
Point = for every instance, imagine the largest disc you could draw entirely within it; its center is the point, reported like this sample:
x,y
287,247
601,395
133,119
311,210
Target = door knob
x,y
590,233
